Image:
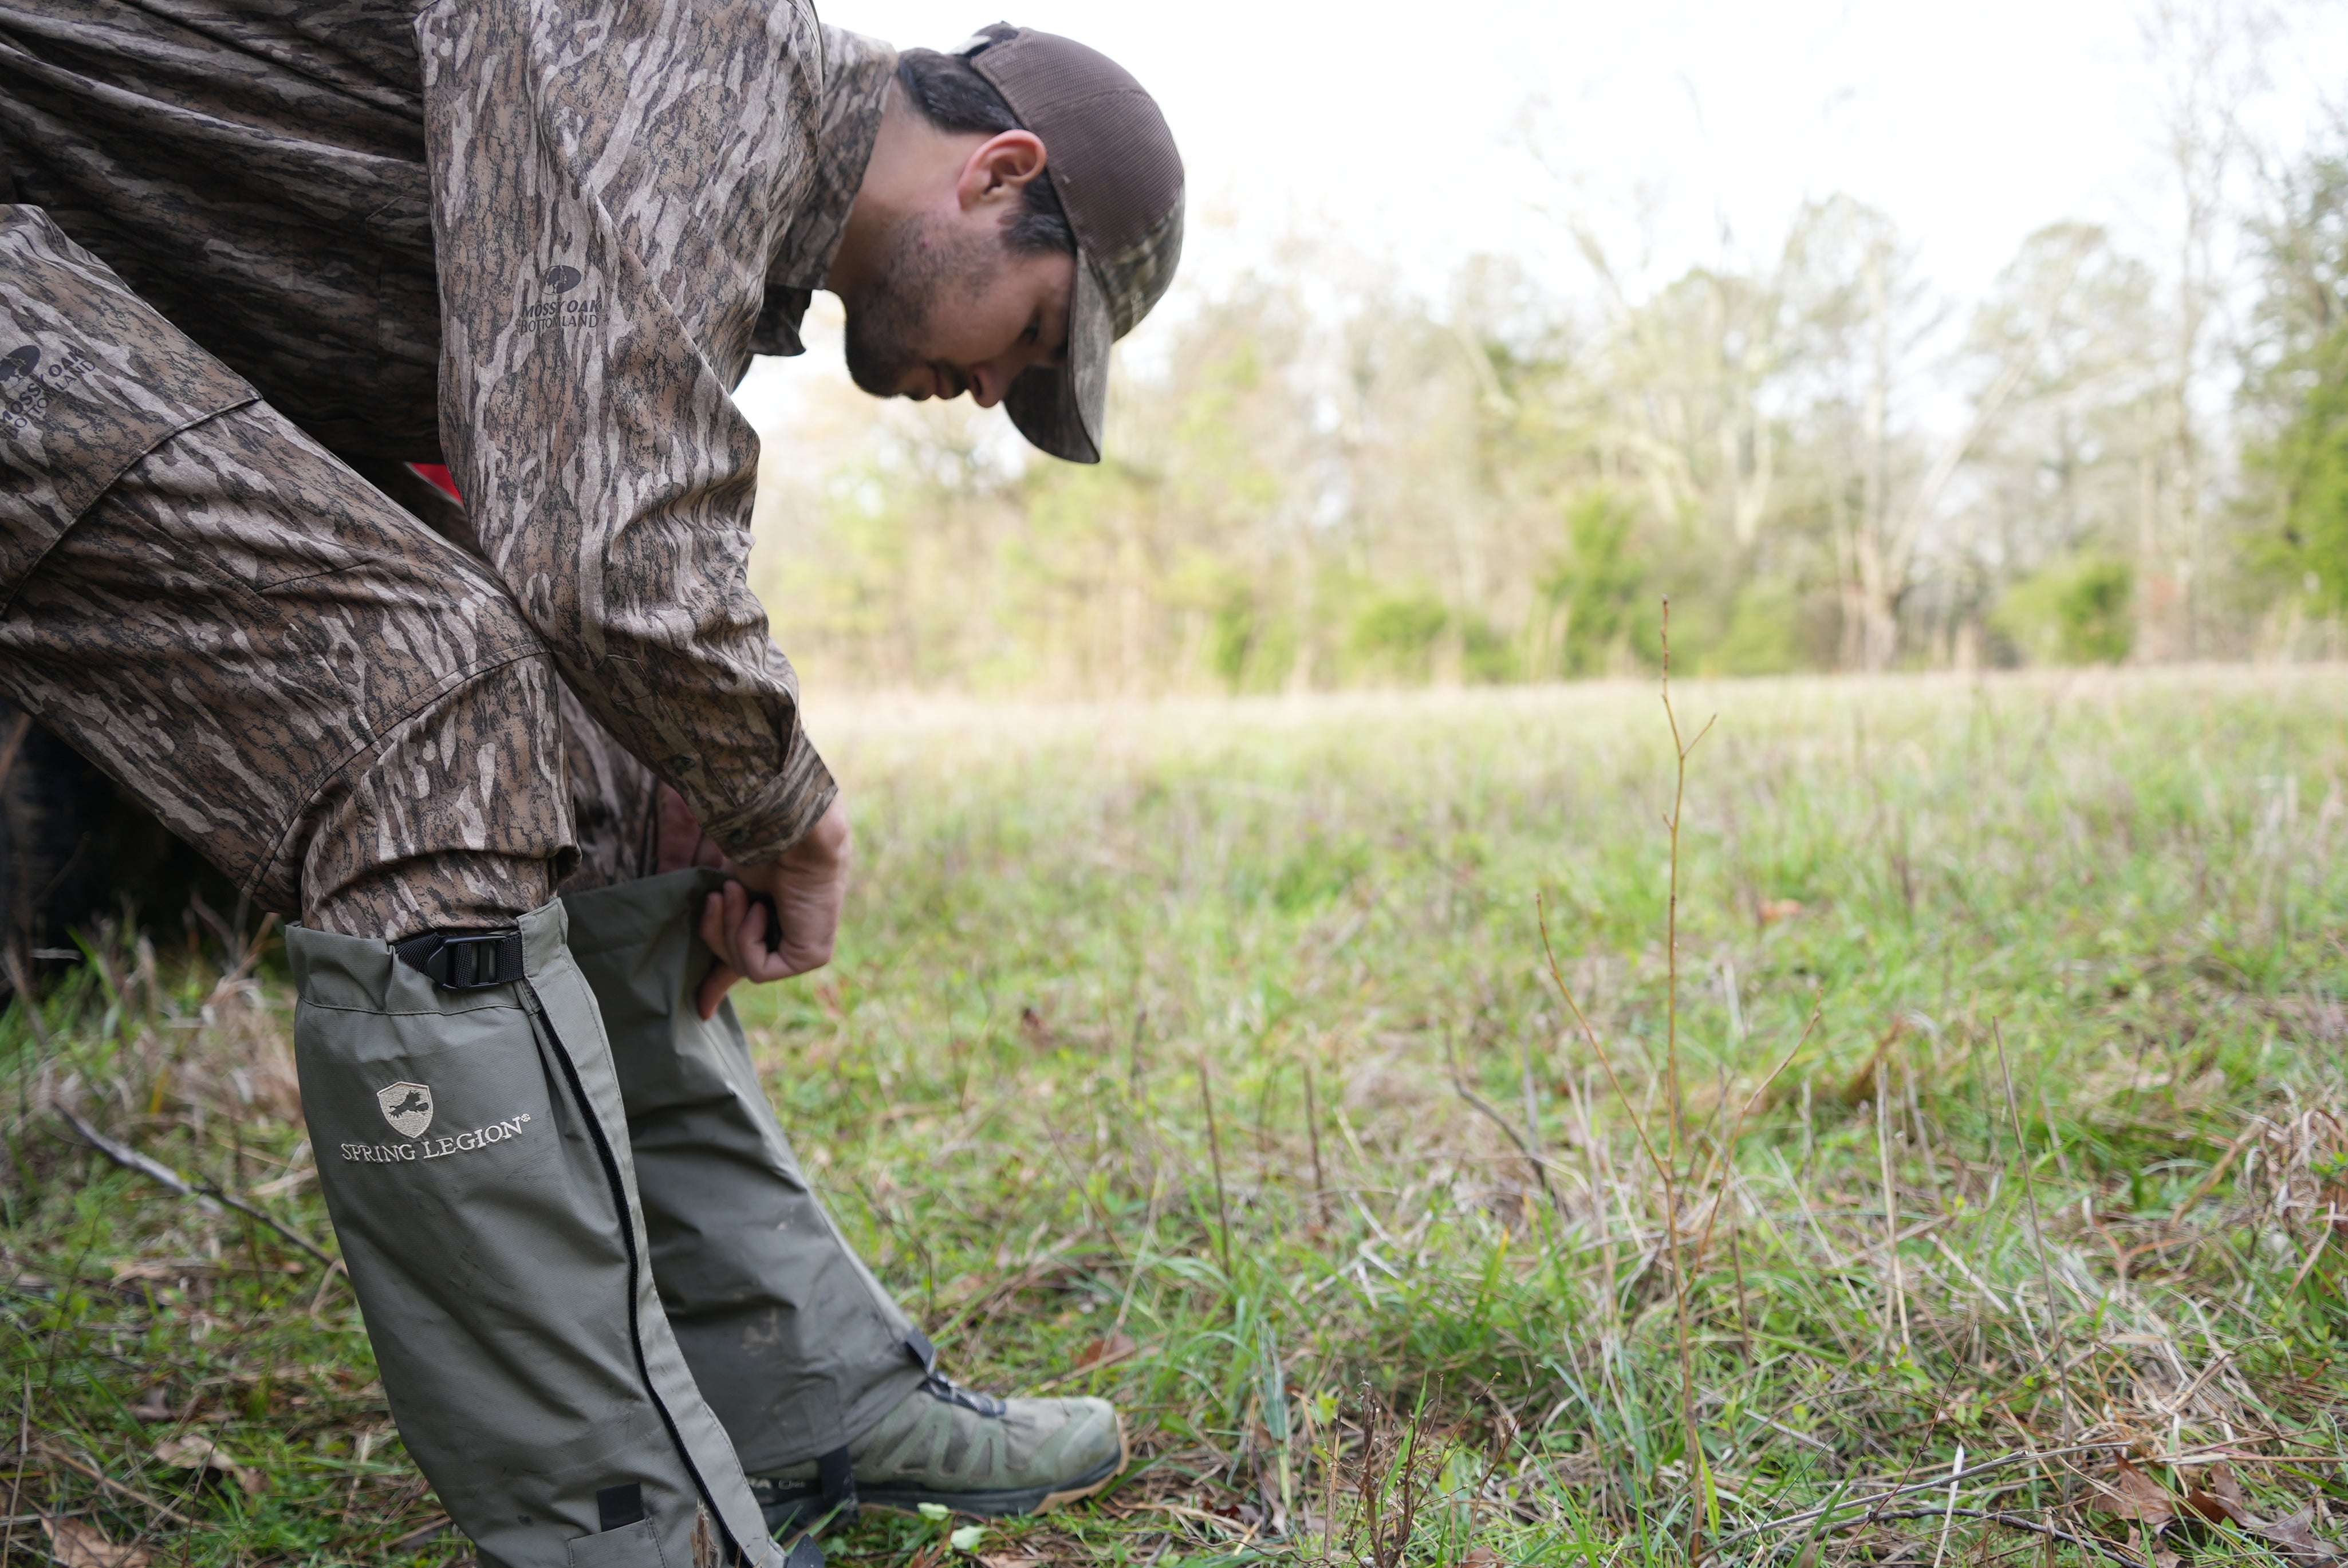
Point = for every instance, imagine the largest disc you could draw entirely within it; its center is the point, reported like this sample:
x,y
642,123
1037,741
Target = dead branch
x,y
205,1195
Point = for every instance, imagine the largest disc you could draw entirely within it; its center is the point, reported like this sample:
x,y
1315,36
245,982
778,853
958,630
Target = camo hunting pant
x,y
338,706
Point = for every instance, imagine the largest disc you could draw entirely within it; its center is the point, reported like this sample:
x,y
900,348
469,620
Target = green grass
x,y
1070,925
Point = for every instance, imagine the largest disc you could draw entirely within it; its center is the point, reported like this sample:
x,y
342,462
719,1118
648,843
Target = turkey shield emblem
x,y
407,1106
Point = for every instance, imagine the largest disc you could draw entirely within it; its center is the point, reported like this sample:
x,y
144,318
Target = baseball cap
x,y
1112,162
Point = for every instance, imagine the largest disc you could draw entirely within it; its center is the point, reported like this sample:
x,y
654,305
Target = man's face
x,y
957,309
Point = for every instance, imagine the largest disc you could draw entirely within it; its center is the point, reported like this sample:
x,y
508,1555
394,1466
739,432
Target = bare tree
x,y
2208,62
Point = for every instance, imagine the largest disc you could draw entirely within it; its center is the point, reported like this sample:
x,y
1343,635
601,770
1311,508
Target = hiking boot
x,y
971,1452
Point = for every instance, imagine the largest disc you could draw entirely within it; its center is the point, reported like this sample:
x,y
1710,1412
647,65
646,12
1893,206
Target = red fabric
x,y
436,474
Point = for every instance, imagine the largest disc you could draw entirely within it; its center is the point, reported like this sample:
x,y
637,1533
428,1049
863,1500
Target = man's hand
x,y
807,882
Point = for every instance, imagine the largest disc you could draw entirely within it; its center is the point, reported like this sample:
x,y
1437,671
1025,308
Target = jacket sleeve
x,y
609,176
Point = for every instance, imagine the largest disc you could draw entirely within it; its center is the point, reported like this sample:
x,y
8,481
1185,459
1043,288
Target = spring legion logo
x,y
407,1106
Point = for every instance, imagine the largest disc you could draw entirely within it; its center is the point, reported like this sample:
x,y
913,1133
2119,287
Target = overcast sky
x,y
1423,134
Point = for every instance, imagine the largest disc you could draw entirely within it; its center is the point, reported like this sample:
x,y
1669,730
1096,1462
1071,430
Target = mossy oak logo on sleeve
x,y
407,1106
561,305
26,379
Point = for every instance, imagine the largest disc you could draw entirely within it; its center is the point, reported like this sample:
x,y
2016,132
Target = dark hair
x,y
953,97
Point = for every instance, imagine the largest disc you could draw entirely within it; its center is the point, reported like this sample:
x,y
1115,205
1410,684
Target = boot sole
x,y
1023,1500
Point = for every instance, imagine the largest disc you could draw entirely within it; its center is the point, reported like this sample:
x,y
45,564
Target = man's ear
x,y
999,168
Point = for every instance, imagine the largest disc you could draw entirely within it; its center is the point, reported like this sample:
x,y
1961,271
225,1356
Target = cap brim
x,y
1062,410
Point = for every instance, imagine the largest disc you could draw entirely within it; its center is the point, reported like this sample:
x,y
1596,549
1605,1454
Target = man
x,y
259,255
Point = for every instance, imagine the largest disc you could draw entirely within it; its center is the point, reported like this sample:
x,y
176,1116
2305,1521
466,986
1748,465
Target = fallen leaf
x,y
2129,1493
1774,910
1867,1081
1011,1562
2223,1501
193,1450
78,1545
2295,1538
1115,1347
967,1538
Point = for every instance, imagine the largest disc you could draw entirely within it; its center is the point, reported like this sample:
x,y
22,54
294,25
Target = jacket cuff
x,y
778,816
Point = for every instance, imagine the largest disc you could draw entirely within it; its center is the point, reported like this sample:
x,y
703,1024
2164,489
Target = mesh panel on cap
x,y
1113,159
1119,179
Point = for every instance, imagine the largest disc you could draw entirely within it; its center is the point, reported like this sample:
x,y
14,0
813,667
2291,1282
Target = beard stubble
x,y
929,267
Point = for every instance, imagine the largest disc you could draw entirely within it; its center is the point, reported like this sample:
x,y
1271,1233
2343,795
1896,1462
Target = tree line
x,y
1327,480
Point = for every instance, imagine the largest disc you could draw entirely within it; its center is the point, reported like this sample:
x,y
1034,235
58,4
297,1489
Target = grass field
x,y
1980,1192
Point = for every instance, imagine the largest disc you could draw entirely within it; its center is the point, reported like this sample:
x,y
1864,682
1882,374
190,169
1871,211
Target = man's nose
x,y
990,382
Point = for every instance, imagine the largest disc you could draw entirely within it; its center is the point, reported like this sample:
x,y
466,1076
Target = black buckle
x,y
466,960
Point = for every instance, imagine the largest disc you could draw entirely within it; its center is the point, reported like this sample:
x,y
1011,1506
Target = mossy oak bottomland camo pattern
x,y
539,240
255,256
343,712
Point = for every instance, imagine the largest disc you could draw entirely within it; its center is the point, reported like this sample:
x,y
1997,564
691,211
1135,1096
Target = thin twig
x,y
1699,1465
49,1450
1083,1189
2017,1522
2210,1179
1725,1154
207,1196
2022,1457
1638,1127
1895,1285
1532,1157
1222,1210
420,1534
1948,1514
2037,1231
1313,1133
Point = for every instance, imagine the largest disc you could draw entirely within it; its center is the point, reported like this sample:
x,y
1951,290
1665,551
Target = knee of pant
x,y
461,813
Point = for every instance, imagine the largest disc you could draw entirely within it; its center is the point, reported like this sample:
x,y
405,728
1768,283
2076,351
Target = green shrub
x,y
1394,633
1596,584
2077,611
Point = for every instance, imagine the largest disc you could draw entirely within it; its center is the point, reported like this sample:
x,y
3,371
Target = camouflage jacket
x,y
539,240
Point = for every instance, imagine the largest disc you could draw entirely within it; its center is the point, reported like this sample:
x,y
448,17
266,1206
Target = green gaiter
x,y
797,1347
474,1157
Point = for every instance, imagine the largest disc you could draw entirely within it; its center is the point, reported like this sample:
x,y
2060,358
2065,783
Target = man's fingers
x,y
785,920
713,926
734,927
751,954
720,979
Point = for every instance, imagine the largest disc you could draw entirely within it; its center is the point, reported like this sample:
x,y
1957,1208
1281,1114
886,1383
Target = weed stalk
x,y
1312,1135
1222,1205
1699,1469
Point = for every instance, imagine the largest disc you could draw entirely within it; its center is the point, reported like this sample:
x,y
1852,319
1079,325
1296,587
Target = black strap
x,y
617,1507
465,960
836,1478
807,1552
939,1386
